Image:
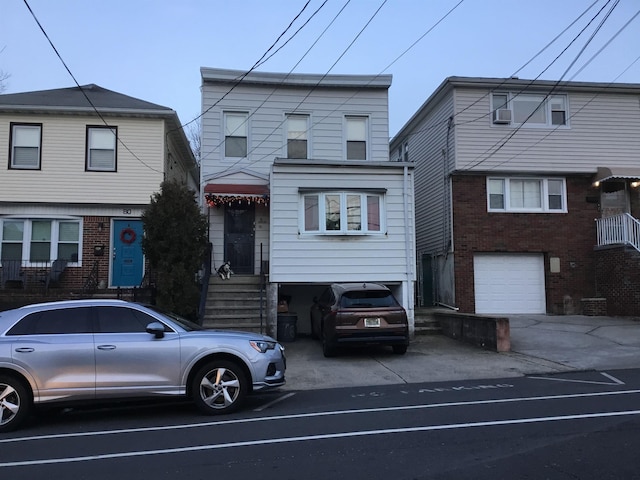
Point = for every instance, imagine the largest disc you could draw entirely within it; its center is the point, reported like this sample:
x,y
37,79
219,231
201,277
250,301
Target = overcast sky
x,y
153,49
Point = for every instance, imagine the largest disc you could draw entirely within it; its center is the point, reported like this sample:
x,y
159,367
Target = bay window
x,y
344,213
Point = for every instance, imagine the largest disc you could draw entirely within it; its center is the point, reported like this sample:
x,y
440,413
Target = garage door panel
x,y
509,283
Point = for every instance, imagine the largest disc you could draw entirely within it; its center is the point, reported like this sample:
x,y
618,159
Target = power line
x,y
355,93
119,140
444,122
501,143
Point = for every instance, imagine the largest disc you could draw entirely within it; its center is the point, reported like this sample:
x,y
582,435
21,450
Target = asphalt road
x,y
575,425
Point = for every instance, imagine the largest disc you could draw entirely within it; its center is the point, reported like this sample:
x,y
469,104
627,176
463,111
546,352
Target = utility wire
x,y
355,93
612,82
446,121
215,149
501,143
82,90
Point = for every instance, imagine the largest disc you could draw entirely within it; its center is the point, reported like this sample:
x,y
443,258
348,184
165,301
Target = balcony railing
x,y
620,229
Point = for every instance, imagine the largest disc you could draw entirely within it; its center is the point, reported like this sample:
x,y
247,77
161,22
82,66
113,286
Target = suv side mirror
x,y
156,329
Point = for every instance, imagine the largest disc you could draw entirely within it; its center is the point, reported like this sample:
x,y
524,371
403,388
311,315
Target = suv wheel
x,y
15,403
219,387
328,349
399,349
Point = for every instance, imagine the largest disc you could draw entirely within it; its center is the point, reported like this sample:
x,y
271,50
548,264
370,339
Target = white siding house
x,y
79,166
510,176
298,181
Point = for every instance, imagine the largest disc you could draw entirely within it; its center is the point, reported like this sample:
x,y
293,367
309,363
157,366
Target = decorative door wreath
x,y
127,235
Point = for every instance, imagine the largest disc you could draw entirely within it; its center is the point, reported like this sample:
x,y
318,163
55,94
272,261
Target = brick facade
x,y
570,237
618,279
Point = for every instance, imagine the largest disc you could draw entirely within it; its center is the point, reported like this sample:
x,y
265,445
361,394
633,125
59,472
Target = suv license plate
x,y
372,322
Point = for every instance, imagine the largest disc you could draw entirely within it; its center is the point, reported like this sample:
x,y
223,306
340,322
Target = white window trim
x,y
367,140
285,140
343,213
545,195
55,234
13,127
547,104
114,130
247,116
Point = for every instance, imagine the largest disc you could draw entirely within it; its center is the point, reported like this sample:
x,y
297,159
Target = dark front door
x,y
239,237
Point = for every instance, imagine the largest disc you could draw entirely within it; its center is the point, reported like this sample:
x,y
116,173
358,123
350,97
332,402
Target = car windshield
x,y
367,299
188,325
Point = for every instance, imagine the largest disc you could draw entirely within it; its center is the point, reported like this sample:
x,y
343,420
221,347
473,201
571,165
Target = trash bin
x,y
287,326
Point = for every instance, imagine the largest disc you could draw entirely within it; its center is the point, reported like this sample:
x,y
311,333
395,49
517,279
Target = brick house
x,y
80,165
527,196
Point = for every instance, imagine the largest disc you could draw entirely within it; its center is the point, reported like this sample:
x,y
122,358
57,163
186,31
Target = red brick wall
x,y
570,237
94,234
618,279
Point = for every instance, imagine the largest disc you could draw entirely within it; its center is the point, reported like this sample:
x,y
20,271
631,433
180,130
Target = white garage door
x,y
509,283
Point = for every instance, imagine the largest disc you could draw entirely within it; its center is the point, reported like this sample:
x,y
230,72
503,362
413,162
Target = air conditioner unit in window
x,y
502,115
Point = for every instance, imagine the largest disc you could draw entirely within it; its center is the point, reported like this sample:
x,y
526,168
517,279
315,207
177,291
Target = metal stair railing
x,y
622,229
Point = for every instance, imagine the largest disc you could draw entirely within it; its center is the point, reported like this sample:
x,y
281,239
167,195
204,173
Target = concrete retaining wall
x,y
487,332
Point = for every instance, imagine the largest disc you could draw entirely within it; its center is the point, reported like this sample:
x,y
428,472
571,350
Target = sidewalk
x,y
539,344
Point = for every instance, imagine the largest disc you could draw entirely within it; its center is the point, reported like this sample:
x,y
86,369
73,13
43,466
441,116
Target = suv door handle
x,y
106,347
25,350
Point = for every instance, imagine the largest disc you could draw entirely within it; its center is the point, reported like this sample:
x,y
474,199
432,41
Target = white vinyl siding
x,y
25,145
509,283
299,257
267,124
432,215
64,146
604,131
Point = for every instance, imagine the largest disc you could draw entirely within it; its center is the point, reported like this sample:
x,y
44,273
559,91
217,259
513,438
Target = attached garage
x,y
509,283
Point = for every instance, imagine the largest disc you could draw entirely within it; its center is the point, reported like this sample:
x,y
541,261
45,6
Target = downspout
x,y
407,244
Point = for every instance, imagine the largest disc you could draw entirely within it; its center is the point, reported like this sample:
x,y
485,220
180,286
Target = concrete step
x,y
425,323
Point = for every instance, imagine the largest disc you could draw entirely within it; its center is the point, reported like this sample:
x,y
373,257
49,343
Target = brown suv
x,y
359,314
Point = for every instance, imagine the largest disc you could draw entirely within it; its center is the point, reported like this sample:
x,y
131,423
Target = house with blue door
x,y
300,191
77,168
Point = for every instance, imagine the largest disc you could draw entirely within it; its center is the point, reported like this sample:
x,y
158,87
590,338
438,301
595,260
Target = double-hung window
x,y
235,134
356,133
530,109
41,240
25,149
343,213
526,195
297,136
101,148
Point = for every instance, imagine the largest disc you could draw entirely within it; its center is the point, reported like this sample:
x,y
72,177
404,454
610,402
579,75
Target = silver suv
x,y
96,350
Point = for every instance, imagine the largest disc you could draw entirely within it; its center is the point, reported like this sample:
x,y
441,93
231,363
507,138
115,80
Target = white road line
x,y
304,438
570,380
314,414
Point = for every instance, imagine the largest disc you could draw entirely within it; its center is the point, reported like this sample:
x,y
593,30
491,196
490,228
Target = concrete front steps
x,y
425,322
236,304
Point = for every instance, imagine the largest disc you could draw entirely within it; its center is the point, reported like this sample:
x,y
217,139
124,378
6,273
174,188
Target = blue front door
x,y
127,263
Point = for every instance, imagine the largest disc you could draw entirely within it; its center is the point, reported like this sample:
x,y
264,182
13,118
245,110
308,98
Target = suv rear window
x,y
367,299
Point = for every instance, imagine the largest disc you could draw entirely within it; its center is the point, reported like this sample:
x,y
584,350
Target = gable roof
x,y
86,99
80,99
